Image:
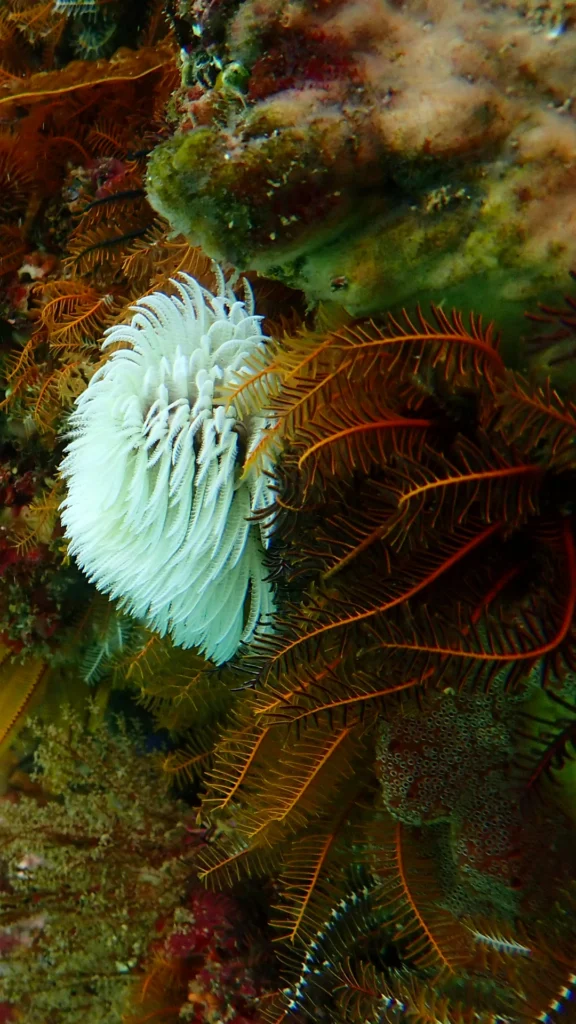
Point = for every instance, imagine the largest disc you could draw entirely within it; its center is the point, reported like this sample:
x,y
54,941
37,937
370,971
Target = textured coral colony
x,y
287,511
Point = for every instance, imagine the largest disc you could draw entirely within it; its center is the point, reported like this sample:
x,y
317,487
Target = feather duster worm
x,y
157,512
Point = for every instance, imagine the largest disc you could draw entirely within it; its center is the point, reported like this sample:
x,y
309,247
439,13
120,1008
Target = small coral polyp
x,y
157,510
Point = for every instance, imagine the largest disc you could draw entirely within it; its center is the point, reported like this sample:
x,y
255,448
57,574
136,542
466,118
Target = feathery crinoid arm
x,y
425,544
412,458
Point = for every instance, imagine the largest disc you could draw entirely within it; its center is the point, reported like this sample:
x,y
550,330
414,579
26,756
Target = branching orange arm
x,y
16,692
276,430
171,766
304,687
399,854
384,424
467,478
66,371
244,770
546,406
517,655
364,342
235,858
312,882
280,814
296,370
83,74
358,698
350,620
498,587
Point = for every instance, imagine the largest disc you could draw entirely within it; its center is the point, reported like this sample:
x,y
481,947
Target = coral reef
x,y
375,152
364,812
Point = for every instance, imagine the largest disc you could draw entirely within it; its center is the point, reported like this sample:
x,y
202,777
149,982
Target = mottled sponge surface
x,y
373,151
157,510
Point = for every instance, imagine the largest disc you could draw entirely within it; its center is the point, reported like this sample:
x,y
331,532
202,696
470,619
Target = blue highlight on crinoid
x,y
567,994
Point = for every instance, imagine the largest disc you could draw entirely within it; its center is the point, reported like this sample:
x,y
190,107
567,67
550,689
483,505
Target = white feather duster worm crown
x,y
157,511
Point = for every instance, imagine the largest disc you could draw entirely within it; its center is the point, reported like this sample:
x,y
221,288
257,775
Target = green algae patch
x,y
471,254
380,161
284,203
268,199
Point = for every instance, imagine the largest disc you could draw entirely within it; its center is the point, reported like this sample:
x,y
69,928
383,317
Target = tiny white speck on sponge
x,y
157,509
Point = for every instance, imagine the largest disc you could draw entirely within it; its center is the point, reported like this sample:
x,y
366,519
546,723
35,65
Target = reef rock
x,y
370,151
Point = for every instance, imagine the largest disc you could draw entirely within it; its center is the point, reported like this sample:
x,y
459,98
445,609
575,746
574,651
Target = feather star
x,y
157,510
